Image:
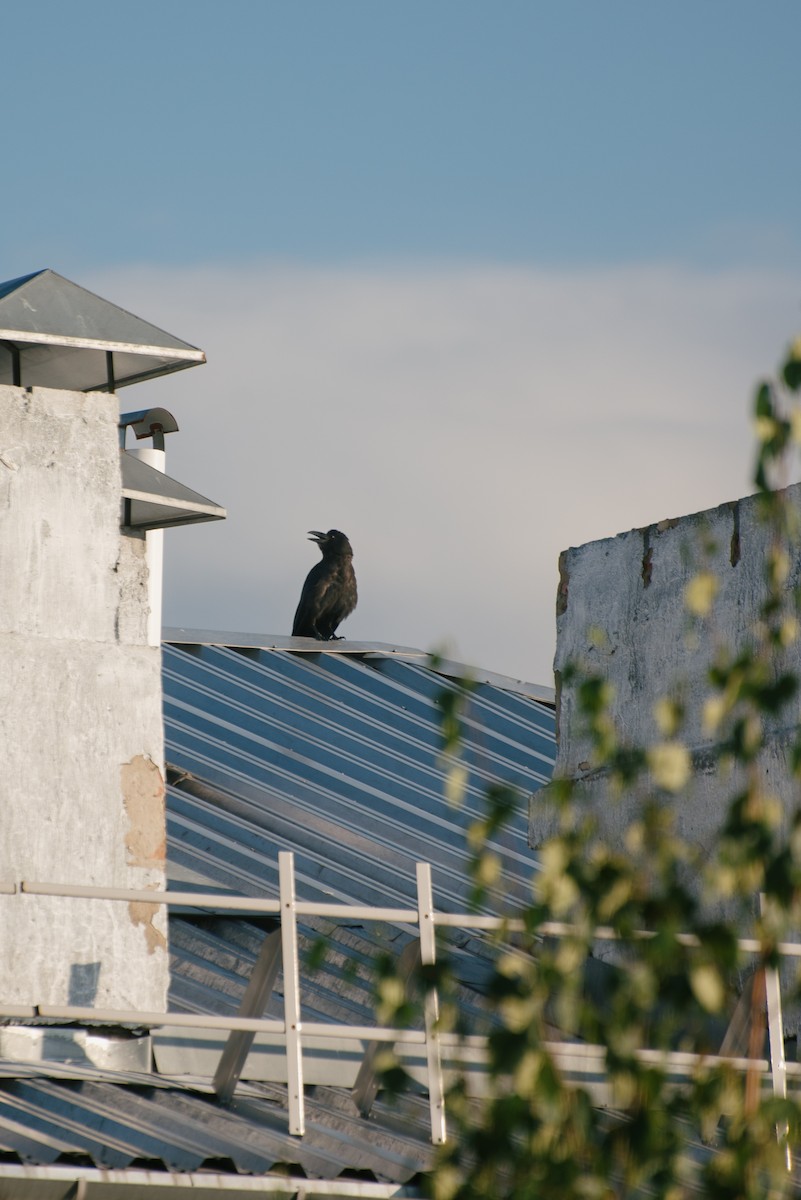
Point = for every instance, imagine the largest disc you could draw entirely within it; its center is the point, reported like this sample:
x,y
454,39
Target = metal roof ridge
x,y
178,635
278,641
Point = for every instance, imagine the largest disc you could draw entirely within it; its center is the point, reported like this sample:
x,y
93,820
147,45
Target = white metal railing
x,y
576,1059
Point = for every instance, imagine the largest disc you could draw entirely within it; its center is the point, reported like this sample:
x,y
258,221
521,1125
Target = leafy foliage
x,y
673,921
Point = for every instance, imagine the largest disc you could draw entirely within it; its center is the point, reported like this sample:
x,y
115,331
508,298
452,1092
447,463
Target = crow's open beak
x,y
316,536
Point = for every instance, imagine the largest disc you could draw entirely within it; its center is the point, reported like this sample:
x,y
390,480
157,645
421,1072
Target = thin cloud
x,y
462,424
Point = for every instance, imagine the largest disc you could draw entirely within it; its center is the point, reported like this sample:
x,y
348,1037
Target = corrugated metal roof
x,y
212,960
337,758
44,1120
335,755
178,636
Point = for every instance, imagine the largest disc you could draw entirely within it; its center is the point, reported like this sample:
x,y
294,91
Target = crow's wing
x,y
312,602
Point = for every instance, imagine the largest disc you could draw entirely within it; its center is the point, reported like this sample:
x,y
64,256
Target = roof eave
x,y
34,1183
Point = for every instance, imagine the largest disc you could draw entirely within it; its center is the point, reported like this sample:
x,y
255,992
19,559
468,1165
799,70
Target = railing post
x,y
428,956
778,1062
289,949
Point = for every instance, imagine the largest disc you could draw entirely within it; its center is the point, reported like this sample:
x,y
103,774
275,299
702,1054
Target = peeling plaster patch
x,y
142,913
564,585
143,797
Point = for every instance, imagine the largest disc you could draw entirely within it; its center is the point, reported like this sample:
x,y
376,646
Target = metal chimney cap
x,y
149,421
56,334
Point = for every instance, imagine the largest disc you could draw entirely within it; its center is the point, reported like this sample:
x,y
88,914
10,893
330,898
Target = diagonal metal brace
x,y
254,1002
737,1039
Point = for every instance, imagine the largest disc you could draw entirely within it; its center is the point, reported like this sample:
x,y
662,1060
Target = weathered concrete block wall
x,y
621,614
81,792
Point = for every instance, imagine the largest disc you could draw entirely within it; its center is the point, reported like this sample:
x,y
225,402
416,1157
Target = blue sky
x,y
476,281
574,132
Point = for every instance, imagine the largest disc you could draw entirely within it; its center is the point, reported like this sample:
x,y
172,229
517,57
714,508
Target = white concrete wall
x,y
621,614
81,792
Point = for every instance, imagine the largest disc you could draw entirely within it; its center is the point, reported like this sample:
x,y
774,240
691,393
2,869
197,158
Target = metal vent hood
x,y
152,500
56,334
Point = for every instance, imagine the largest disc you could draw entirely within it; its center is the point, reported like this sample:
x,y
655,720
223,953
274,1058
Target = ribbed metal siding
x,y
337,759
212,961
42,1120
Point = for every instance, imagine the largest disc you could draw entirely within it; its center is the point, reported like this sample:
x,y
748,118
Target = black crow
x,y
329,593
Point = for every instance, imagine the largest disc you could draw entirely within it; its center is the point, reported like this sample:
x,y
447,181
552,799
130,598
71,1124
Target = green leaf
x,y
763,402
791,374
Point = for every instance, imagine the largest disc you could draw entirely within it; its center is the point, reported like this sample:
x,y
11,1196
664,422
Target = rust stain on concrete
x,y
143,797
736,551
647,557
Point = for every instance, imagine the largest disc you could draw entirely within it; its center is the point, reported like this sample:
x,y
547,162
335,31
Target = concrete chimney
x,y
81,790
82,779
